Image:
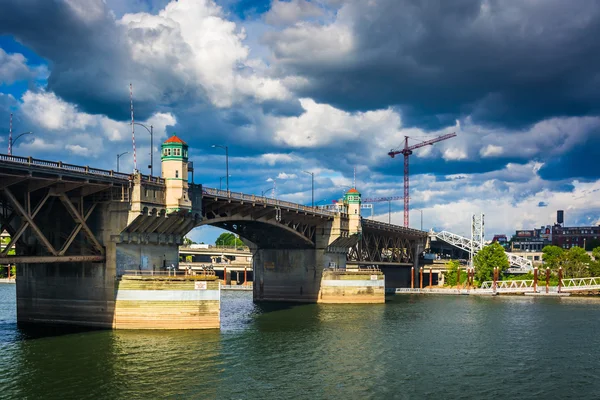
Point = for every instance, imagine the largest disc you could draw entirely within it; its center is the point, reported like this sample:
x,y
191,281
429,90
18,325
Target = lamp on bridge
x,y
421,211
221,181
226,162
312,181
151,131
118,157
12,142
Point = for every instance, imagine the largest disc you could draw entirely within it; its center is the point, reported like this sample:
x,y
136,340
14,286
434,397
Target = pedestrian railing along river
x,y
225,194
78,169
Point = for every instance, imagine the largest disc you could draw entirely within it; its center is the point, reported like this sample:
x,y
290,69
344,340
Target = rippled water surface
x,y
411,347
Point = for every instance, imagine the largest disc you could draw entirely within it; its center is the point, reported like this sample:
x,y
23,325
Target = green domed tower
x,y
174,163
352,202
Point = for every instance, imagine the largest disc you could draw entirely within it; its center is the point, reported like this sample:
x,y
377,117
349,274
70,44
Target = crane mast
x,y
407,151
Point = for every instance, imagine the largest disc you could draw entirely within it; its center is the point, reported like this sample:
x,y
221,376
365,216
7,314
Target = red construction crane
x,y
380,199
407,151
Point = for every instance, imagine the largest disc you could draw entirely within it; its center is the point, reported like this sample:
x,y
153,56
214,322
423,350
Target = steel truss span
x,y
519,264
385,243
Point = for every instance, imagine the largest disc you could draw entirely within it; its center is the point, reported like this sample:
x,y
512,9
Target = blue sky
x,y
326,86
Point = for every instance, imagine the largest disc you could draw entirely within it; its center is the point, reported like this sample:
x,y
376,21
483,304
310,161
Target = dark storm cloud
x,y
581,162
90,60
505,62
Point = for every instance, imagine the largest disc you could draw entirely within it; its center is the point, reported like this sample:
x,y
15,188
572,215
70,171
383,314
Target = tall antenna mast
x,y
354,181
10,136
132,127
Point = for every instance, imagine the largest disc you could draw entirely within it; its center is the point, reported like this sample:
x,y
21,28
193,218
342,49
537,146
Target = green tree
x,y
576,263
228,239
187,241
595,265
452,268
553,257
596,253
487,258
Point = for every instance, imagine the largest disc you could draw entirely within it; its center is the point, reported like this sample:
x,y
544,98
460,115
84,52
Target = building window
x,y
176,173
177,152
168,152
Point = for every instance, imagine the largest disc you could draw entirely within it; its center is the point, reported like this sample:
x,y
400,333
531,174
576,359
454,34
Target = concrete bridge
x,y
77,230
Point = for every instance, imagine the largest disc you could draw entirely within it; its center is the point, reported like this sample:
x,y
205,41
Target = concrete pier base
x,y
291,275
167,302
352,287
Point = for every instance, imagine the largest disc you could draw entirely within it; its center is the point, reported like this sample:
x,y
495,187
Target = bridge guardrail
x,y
75,168
264,200
392,226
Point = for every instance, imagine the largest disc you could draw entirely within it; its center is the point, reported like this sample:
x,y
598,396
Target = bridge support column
x,y
294,275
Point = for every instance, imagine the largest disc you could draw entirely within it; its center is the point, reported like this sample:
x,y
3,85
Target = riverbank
x,y
6,280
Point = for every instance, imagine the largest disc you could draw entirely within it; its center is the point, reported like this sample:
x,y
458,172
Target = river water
x,y
441,347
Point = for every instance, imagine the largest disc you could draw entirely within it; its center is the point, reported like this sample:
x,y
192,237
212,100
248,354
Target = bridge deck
x,y
33,165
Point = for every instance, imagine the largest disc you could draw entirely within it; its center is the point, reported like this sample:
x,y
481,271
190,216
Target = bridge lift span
x,y
519,265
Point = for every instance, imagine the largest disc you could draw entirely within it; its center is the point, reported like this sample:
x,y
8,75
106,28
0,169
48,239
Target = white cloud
x,y
322,124
289,12
491,151
78,150
454,153
283,175
52,113
200,52
13,67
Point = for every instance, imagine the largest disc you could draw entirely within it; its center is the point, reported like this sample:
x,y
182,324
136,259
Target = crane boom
x,y
392,153
407,151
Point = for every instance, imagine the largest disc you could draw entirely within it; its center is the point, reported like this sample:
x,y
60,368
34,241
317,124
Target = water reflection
x,y
412,346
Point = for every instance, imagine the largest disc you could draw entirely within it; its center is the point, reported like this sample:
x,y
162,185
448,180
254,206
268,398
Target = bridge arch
x,y
265,234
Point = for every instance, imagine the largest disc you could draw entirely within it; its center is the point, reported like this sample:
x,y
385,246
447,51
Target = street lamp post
x,y
226,161
262,193
312,182
11,141
151,131
119,156
421,211
220,181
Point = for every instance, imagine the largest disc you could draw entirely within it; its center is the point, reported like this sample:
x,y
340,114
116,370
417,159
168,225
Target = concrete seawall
x,y
167,302
352,287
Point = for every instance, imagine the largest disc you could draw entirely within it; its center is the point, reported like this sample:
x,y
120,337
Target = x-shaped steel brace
x,y
81,222
75,231
28,222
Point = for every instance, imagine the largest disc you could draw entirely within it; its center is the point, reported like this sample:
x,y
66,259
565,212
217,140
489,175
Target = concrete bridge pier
x,y
313,276
292,275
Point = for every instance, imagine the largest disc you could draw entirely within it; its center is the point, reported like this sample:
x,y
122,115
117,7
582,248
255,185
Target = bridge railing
x,y
264,200
59,165
380,224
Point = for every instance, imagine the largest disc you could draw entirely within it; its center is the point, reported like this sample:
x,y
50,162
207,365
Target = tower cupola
x,y
174,163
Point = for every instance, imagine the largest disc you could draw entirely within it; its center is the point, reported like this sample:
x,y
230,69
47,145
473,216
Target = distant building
x,y
532,240
580,236
501,239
